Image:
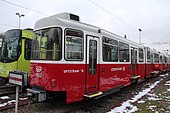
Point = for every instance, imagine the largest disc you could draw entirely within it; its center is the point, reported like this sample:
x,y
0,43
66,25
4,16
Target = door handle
x,y
103,69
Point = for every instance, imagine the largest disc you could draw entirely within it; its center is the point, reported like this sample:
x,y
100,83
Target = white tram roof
x,y
63,20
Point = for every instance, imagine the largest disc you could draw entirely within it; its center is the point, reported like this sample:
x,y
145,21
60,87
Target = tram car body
x,y
15,52
82,60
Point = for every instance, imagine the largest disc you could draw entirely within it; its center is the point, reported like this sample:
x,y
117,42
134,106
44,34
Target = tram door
x,y
92,64
152,62
134,65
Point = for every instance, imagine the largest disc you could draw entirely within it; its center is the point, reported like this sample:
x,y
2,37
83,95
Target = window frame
x,y
110,45
141,57
74,36
128,48
156,58
148,56
94,66
161,58
40,46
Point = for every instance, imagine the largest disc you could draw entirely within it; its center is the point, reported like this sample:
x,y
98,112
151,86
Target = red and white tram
x,y
84,61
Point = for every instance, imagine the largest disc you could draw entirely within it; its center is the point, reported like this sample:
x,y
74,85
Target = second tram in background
x,y
83,61
15,52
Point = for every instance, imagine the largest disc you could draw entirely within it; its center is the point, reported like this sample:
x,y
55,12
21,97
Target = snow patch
x,y
7,103
23,98
141,101
3,104
10,102
168,89
152,108
127,106
152,95
167,83
167,74
162,75
4,97
155,99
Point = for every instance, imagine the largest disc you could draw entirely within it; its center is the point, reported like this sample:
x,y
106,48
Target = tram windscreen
x,y
11,46
47,44
1,38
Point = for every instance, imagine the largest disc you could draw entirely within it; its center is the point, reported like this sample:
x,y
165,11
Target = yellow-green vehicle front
x,y
15,52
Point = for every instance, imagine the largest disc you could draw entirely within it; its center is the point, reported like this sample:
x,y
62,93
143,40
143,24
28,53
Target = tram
x,y
83,61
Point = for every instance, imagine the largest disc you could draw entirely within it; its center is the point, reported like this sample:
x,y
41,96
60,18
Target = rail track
x,y
7,89
100,105
7,97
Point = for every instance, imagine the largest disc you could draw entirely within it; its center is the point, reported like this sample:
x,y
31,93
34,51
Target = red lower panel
x,y
72,78
60,77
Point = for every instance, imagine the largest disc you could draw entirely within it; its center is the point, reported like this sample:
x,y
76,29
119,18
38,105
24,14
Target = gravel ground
x,y
158,100
102,105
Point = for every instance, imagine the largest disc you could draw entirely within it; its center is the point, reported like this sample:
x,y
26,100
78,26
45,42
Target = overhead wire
x,y
24,7
88,0
113,15
146,35
118,18
20,7
167,36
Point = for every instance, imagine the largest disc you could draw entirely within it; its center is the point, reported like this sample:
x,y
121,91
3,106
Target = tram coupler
x,y
36,95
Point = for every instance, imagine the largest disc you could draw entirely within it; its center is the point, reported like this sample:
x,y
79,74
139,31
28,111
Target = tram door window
x,y
134,61
92,56
161,59
92,77
27,49
141,55
148,56
152,62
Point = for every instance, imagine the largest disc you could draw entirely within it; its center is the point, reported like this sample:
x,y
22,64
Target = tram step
x,y
94,94
135,77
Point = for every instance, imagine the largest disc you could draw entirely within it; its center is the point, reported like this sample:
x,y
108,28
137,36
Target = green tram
x,y
15,52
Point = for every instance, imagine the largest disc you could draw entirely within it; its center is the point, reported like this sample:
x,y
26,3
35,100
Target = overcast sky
x,y
122,17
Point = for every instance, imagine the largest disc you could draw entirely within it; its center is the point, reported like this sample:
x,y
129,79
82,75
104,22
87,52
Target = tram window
x,y
123,52
156,58
152,58
161,59
47,44
110,50
73,45
141,58
165,59
28,49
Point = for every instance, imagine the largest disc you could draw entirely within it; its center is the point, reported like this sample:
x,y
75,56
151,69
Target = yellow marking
x,y
93,95
135,77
